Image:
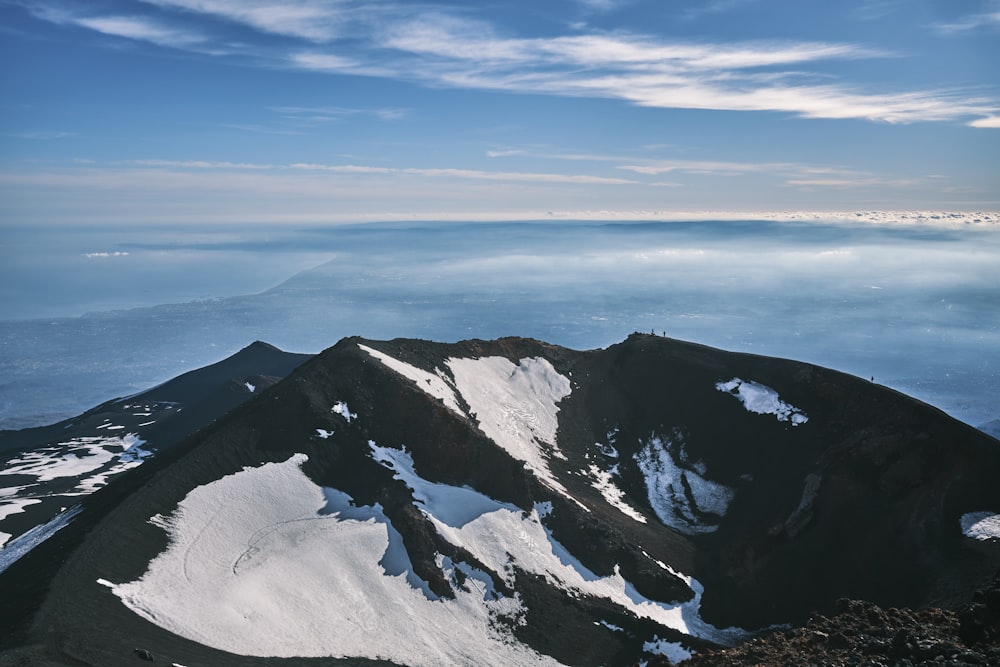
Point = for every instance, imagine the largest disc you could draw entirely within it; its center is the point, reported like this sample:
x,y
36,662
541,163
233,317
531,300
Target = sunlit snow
x,y
516,407
500,535
762,400
981,526
674,651
264,562
14,506
434,384
78,457
691,510
17,548
603,481
341,409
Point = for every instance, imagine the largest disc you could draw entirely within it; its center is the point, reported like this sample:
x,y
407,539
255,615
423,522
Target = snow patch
x,y
323,433
79,457
682,497
19,547
435,384
981,526
516,407
132,456
454,506
609,449
762,400
266,563
673,651
341,409
251,388
603,481
15,506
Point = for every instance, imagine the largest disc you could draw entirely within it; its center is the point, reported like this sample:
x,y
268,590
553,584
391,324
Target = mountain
x,y
513,502
991,427
49,469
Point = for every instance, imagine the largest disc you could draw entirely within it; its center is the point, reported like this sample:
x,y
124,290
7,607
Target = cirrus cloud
x,y
437,47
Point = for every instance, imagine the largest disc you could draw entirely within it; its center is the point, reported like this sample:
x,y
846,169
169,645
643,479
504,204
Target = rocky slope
x,y
860,633
513,502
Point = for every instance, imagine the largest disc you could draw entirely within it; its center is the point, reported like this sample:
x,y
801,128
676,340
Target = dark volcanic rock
x,y
863,634
780,487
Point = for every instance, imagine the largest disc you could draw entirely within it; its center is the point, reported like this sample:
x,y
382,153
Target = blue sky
x,y
270,111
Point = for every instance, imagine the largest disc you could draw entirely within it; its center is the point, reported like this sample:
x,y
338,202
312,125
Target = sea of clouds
x,y
96,313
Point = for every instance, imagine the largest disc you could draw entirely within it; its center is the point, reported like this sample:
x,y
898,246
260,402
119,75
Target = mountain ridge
x,y
384,431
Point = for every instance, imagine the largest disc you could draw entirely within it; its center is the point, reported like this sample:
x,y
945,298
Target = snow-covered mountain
x,y
46,471
511,502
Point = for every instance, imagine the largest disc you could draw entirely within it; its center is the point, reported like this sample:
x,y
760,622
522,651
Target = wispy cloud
x,y
872,10
315,21
40,135
437,47
655,168
504,153
705,7
989,18
868,182
200,164
142,29
139,28
430,172
260,129
474,174
326,114
603,5
992,122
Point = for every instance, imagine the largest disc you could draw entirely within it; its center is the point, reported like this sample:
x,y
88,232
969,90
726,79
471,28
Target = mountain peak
x,y
515,501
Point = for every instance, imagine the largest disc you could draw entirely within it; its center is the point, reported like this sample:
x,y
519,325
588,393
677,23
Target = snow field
x,y
762,400
224,580
500,535
516,407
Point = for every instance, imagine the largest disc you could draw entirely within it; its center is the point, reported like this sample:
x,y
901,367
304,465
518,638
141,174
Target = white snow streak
x,y
981,526
501,535
434,384
255,567
516,407
678,492
20,546
603,481
762,400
